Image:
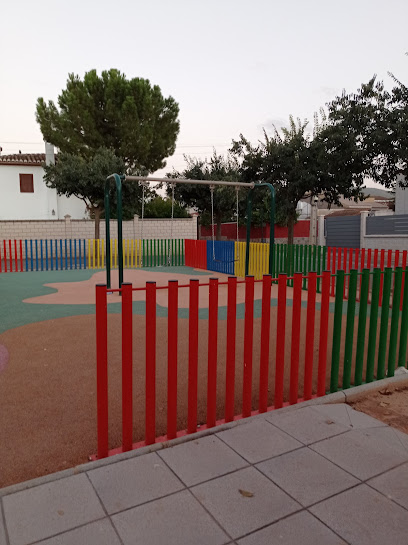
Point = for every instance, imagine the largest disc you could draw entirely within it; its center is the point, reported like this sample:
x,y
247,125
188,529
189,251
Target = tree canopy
x,y
73,175
372,125
297,164
158,207
199,196
129,117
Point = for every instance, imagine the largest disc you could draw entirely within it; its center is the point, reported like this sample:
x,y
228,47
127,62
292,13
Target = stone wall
x,y
75,229
386,242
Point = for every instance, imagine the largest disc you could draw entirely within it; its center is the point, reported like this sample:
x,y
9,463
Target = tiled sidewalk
x,y
323,474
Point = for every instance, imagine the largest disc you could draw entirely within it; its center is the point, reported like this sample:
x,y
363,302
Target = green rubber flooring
x,y
16,287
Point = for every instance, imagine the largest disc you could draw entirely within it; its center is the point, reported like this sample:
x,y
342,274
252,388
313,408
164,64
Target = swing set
x,y
144,182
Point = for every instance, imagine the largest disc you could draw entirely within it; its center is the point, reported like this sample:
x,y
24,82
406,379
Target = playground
x,y
96,362
48,361
48,364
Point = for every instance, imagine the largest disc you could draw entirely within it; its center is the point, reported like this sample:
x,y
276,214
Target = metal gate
x,y
343,231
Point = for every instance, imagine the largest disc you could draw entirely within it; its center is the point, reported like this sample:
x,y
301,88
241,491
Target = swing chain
x,y
171,225
237,212
212,220
144,185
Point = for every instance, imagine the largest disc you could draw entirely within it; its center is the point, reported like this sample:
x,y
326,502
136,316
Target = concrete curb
x,y
337,397
359,391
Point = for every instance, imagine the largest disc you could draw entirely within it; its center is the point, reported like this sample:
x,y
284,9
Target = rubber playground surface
x,y
48,362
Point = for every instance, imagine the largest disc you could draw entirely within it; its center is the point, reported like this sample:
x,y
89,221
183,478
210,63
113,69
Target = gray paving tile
x,y
394,484
307,476
402,437
46,510
299,528
362,516
364,453
200,460
2,531
258,440
306,425
133,482
343,414
238,513
100,532
175,520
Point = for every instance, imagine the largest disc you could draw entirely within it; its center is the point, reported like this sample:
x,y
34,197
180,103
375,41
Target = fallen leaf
x,y
60,512
329,421
382,404
385,392
245,493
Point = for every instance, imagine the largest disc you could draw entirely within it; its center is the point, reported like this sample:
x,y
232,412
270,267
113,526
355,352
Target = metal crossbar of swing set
x,y
122,178
170,181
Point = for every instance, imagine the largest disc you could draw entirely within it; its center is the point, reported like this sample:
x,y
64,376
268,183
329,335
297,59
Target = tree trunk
x,y
218,218
97,214
291,226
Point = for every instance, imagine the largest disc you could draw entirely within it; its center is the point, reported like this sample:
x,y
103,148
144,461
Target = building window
x,y
26,183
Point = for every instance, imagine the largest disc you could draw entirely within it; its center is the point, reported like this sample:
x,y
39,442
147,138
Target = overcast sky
x,y
234,66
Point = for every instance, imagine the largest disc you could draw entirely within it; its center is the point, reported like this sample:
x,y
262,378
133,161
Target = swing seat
x,y
225,261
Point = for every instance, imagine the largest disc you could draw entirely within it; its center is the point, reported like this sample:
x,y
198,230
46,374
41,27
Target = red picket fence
x,y
11,256
347,259
226,365
195,253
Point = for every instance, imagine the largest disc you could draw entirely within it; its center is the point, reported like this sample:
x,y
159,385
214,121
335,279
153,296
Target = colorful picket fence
x,y
137,253
42,255
277,346
221,256
69,254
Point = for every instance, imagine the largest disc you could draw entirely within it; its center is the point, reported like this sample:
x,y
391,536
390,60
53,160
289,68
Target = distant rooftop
x,y
26,159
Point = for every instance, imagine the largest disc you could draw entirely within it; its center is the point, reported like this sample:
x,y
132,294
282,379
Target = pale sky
x,y
234,66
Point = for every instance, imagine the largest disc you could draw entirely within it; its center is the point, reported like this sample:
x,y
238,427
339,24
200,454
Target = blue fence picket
x,y
42,257
51,259
61,254
222,259
75,255
70,254
36,254
31,255
84,254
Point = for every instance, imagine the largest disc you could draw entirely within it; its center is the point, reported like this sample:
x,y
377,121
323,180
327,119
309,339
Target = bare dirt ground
x,y
390,405
48,391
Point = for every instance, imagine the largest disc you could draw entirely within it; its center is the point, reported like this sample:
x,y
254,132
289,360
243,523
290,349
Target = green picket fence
x,y
372,324
304,258
161,252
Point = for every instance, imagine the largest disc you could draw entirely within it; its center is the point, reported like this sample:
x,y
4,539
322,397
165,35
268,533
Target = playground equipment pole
x,y
118,181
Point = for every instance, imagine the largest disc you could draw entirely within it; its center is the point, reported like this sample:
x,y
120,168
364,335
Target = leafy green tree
x,y
129,117
199,196
158,207
73,175
371,125
297,164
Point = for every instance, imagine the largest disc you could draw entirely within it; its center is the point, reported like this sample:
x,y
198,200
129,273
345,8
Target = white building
x,y
24,194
